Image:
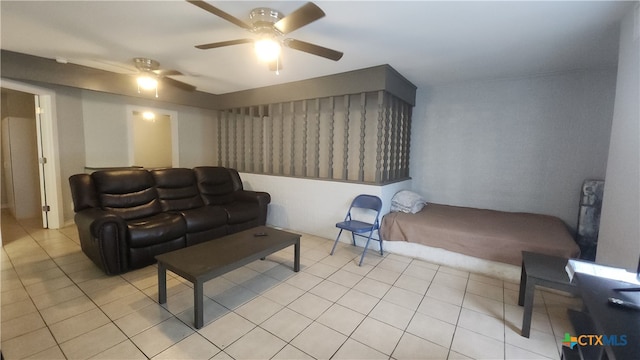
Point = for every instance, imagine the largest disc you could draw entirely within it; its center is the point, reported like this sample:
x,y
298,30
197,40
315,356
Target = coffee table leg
x,y
523,284
198,303
296,256
528,307
162,283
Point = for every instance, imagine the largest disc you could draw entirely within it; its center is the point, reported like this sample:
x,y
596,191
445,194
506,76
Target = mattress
x,y
486,234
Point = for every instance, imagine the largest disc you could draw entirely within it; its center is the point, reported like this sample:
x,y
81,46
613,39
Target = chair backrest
x,y
367,202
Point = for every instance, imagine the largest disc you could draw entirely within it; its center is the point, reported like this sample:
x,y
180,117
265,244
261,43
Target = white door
x,y
42,160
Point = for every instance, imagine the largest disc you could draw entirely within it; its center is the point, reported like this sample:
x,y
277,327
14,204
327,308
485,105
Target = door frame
x,y
49,143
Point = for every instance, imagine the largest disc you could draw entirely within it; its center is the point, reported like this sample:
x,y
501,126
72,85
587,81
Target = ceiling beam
x,y
36,69
381,77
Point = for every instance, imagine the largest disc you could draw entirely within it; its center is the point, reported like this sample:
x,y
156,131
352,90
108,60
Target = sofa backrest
x,y
215,184
128,193
177,189
83,192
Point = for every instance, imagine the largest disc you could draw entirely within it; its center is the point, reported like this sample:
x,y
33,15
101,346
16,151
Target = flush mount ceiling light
x,y
148,115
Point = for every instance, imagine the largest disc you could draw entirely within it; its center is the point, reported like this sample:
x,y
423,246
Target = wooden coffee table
x,y
203,262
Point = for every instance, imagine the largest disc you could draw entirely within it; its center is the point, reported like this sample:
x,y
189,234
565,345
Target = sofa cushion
x,y
155,229
239,212
215,184
177,189
128,193
204,218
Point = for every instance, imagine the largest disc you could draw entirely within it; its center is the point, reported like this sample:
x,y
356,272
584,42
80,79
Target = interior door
x,y
42,160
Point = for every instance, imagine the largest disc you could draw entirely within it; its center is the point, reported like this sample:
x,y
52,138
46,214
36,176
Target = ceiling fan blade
x,y
304,15
314,49
178,84
167,72
215,11
224,43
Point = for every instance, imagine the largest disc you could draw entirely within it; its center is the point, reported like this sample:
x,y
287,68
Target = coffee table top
x,y
218,256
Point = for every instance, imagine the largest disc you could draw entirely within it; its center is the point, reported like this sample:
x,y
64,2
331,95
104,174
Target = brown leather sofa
x,y
125,217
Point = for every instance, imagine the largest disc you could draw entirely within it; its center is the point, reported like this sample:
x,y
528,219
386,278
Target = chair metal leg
x,y
380,240
353,238
365,248
336,242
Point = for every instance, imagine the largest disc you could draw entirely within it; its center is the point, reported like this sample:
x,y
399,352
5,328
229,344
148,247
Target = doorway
x,y
39,112
153,137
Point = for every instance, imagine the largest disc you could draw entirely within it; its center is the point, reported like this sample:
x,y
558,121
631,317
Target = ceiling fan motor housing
x,y
145,64
263,19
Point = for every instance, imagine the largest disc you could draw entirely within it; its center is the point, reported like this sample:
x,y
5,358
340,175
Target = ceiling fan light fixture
x,y
267,49
149,116
147,82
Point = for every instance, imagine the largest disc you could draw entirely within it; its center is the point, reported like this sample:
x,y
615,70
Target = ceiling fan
x,y
270,27
149,74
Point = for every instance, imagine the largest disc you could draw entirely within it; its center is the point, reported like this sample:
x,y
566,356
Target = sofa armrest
x,y
103,238
260,197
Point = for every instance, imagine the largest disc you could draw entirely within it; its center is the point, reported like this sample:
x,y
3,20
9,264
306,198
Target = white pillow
x,y
407,201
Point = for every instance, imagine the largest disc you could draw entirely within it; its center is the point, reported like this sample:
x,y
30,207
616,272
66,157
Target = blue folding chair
x,y
366,203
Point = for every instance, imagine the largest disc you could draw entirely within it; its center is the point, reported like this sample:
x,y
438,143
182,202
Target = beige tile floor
x,y
56,304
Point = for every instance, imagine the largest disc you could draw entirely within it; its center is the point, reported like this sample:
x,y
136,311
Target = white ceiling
x,y
428,42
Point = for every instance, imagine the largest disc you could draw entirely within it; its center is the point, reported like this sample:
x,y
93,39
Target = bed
x,y
480,233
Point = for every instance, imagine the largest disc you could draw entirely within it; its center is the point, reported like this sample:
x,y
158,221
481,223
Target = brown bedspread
x,y
487,234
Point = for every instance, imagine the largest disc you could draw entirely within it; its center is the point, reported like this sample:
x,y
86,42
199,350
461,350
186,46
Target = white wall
x,y
197,137
520,144
314,206
70,142
619,238
106,130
